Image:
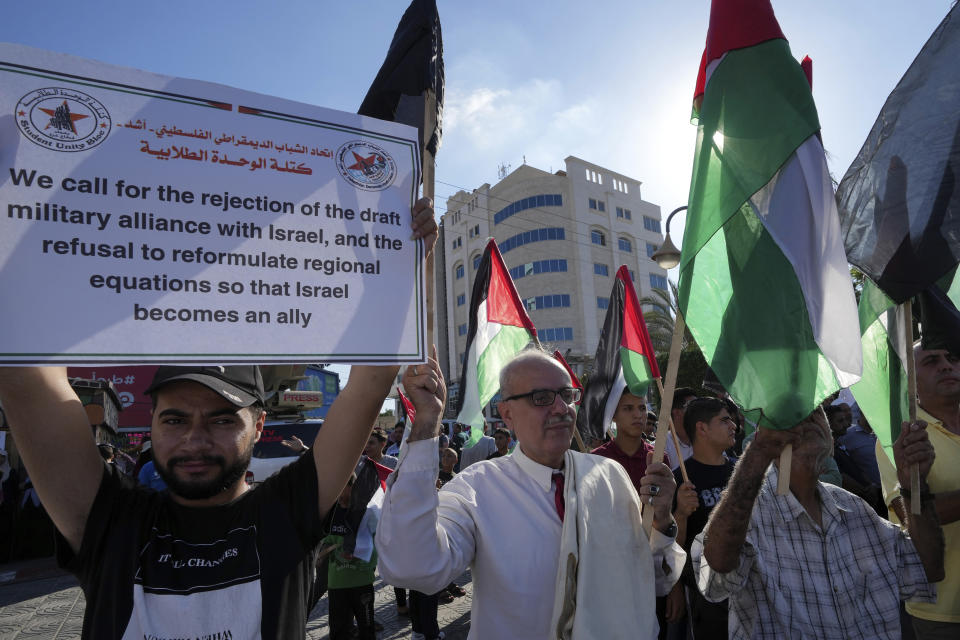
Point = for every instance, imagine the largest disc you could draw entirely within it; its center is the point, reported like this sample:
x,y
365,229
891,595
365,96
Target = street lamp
x,y
668,256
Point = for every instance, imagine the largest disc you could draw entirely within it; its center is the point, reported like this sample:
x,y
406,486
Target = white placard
x,y
152,219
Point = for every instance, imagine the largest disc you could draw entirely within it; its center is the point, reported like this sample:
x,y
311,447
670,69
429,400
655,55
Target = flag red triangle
x,y
503,301
407,406
574,380
635,336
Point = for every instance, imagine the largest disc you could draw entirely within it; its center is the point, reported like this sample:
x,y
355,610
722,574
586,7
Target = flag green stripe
x,y
501,348
881,393
757,109
636,371
751,322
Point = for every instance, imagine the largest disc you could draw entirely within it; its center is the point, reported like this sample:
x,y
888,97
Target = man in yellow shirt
x,y
938,392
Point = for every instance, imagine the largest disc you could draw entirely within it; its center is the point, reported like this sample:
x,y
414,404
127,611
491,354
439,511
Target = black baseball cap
x,y
241,385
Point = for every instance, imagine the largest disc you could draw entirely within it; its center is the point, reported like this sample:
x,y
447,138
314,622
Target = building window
x,y
619,212
461,299
651,249
603,303
658,282
541,200
627,214
633,275
548,302
592,203
601,205
558,334
457,242
458,271
555,265
651,225
600,269
462,329
625,245
476,261
597,237
534,235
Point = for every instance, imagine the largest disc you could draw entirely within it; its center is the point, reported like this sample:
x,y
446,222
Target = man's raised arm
x,y
54,438
350,420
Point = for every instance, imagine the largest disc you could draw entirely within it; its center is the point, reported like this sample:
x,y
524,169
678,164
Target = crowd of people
x,y
555,539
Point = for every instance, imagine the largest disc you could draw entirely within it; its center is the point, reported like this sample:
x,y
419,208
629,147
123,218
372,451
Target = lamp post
x,y
668,256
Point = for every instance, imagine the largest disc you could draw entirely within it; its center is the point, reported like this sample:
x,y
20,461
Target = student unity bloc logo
x,y
365,165
62,119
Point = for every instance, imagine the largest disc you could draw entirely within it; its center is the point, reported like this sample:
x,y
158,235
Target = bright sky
x,y
609,81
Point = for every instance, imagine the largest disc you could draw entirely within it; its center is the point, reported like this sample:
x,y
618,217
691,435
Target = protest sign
x,y
152,219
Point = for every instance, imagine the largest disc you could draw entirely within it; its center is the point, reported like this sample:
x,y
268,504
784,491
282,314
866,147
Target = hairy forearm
x,y
727,528
927,536
425,426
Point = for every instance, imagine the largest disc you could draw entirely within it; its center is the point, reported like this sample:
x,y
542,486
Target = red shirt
x,y
636,465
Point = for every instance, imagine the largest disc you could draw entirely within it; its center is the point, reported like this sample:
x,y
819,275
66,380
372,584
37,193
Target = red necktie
x,y
558,493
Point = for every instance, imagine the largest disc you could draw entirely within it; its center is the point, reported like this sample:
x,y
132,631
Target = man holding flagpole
x,y
818,561
578,565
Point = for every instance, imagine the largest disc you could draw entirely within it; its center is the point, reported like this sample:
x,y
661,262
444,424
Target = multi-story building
x,y
562,235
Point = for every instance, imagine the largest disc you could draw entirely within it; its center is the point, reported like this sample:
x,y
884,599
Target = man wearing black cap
x,y
209,558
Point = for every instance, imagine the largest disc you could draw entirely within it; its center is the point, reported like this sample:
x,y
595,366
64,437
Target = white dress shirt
x,y
499,518
485,446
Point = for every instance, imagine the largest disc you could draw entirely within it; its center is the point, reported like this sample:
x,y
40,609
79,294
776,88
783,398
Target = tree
x,y
661,318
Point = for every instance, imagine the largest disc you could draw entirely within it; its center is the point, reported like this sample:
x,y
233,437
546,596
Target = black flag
x,y
414,64
899,201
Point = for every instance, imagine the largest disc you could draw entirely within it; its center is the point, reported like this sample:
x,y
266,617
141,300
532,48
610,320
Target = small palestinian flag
x,y
574,380
499,329
624,360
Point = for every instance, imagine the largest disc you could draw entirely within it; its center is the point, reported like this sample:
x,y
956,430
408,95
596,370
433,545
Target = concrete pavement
x,y
51,608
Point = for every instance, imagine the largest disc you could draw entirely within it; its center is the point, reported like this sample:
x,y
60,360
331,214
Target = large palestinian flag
x,y
499,328
624,359
764,284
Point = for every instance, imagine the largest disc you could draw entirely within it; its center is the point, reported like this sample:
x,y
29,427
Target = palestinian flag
x,y
574,380
899,201
881,393
764,284
499,329
410,413
624,360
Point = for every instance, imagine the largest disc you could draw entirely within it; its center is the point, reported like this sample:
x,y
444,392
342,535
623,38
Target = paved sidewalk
x,y
51,608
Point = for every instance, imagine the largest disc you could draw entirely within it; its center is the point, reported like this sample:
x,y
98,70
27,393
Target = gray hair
x,y
522,359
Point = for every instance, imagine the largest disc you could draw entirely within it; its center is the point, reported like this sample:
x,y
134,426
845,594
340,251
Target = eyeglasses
x,y
546,397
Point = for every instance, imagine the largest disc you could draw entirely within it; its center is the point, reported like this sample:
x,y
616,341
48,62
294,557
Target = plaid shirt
x,y
796,580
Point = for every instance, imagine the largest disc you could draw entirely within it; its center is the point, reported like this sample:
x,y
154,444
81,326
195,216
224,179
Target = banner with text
x,y
152,219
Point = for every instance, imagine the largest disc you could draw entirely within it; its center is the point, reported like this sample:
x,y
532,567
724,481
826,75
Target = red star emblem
x,y
21,113
73,116
362,163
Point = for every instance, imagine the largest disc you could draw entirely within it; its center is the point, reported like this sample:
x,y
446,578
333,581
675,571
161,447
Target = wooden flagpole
x,y
907,309
428,172
673,432
666,401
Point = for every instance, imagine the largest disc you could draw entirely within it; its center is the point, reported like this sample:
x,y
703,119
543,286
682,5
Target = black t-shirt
x,y
155,570
710,480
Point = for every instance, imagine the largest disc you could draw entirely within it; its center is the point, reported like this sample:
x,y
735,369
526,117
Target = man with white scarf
x,y
554,538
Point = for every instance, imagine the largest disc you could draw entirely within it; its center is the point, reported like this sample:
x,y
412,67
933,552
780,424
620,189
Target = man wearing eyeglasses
x,y
578,563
